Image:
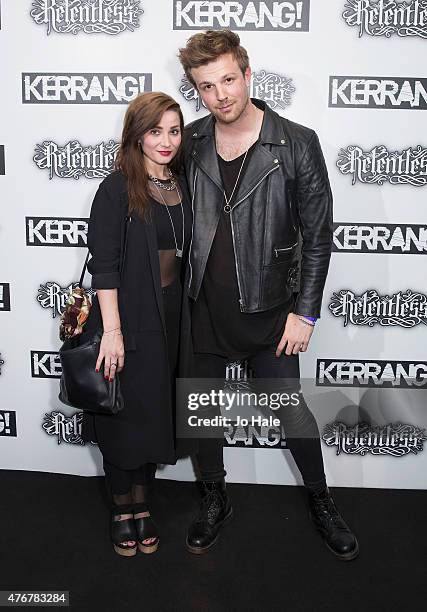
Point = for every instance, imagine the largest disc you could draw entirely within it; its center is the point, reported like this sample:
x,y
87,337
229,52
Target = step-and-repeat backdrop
x,y
355,72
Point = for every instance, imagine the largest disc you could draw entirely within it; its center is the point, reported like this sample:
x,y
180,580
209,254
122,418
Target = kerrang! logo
x,y
83,88
387,17
73,160
51,295
275,89
371,373
379,165
249,436
384,238
394,439
251,15
63,232
66,428
88,16
378,92
8,423
405,309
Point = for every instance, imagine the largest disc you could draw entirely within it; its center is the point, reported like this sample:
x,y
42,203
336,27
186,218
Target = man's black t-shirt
x,y
219,326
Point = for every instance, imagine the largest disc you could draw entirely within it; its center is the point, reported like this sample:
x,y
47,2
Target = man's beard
x,y
228,120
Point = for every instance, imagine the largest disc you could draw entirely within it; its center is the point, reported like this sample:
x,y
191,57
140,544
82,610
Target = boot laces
x,y
210,506
329,513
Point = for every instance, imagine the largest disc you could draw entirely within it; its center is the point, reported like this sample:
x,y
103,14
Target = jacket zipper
x,y
235,262
277,251
253,188
192,229
232,233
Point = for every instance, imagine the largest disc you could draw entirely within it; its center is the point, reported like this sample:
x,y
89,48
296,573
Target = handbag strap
x,y
122,263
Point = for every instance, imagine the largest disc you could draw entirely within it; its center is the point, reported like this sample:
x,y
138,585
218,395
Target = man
x,y
256,181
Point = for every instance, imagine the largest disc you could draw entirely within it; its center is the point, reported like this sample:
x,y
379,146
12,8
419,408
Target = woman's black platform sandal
x,y
123,530
145,528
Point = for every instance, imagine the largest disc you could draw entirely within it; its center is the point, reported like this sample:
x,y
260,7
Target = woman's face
x,y
161,143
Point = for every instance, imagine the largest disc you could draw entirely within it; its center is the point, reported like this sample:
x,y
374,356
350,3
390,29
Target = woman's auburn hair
x,y
143,114
208,46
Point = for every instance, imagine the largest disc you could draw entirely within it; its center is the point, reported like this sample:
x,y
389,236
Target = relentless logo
x,y
387,17
386,238
395,439
73,160
275,89
379,165
8,423
54,231
79,88
45,364
1,363
377,92
2,164
65,428
370,373
88,16
4,296
52,295
237,375
405,309
250,436
267,15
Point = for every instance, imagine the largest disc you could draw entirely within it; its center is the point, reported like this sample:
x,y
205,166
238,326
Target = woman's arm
x,y
112,347
104,240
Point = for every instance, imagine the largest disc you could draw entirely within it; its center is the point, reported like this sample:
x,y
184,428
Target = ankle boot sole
x,y
147,550
197,550
125,552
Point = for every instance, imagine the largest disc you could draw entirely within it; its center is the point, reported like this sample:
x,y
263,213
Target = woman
x,y
139,232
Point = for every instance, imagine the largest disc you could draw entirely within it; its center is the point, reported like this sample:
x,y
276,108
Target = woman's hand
x,y
112,351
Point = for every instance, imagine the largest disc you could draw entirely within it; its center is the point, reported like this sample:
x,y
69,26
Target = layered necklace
x,y
170,187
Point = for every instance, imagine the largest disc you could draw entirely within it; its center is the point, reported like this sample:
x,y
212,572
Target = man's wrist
x,y
306,319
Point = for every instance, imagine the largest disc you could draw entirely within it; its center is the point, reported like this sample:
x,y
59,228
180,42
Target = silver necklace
x,y
227,208
178,252
170,187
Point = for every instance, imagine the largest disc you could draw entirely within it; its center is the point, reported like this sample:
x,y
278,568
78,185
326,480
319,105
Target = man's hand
x,y
295,337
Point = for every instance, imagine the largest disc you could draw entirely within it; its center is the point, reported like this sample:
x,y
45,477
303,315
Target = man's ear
x,y
248,74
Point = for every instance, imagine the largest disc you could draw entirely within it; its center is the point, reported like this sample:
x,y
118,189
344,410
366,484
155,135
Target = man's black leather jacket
x,y
284,193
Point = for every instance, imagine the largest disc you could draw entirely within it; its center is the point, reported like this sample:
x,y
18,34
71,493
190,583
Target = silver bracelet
x,y
306,321
112,330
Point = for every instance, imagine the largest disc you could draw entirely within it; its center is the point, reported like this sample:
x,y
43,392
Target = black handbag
x,y
81,386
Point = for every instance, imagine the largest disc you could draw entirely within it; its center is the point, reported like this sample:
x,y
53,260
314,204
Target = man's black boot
x,y
335,532
215,510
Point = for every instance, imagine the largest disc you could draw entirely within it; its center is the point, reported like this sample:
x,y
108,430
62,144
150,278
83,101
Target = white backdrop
x,y
293,60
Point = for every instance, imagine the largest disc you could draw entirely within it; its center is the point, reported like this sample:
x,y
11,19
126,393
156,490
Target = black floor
x,y
54,534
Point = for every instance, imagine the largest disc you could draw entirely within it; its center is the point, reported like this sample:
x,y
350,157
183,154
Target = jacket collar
x,y
272,130
261,161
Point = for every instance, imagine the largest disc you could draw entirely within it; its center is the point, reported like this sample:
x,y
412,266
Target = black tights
x,y
128,486
299,424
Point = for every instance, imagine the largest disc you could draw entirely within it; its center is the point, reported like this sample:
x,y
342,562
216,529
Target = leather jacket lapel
x,y
261,163
204,154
